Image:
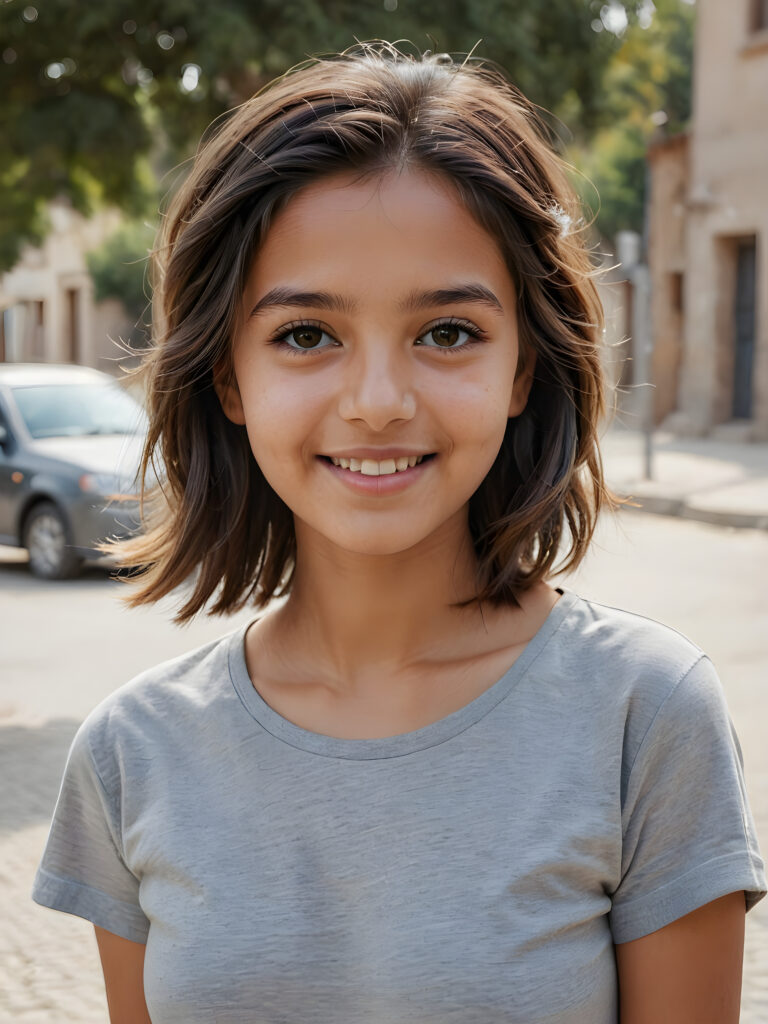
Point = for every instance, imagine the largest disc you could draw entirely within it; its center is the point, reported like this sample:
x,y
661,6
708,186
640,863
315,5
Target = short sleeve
x,y
688,834
82,870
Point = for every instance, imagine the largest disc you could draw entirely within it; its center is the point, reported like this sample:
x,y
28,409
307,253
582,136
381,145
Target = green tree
x,y
119,271
648,89
88,89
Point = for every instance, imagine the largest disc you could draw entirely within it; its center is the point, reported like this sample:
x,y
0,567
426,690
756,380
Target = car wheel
x,y
46,540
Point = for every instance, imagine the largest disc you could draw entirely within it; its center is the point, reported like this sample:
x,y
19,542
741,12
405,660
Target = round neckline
x,y
402,743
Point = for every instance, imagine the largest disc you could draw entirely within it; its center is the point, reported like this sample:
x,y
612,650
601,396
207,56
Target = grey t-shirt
x,y
479,869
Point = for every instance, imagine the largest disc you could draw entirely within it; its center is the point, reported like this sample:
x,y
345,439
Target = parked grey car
x,y
70,440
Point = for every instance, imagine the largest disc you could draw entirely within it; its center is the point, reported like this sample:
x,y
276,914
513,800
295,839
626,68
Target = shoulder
x,y
639,635
634,669
631,652
144,715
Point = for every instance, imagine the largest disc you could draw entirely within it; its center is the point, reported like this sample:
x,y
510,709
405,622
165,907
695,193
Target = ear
x,y
522,385
225,386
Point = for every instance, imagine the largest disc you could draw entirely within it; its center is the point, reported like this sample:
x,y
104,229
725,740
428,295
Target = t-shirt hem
x,y
698,886
93,905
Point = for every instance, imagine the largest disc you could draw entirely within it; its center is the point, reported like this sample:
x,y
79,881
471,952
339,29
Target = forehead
x,y
382,228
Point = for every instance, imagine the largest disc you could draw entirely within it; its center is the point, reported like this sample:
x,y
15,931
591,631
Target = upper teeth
x,y
370,467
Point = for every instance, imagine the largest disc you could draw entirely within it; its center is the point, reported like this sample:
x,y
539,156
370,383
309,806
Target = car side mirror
x,y
5,437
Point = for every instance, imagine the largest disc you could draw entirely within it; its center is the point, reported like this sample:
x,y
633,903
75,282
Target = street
x,y
67,645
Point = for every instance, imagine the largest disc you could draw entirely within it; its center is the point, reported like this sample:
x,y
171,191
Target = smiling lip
x,y
390,483
379,454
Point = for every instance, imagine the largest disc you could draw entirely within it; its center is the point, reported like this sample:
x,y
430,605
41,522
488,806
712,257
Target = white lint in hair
x,y
564,219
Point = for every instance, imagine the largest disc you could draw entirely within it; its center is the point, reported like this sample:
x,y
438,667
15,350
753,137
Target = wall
x,y
50,314
669,165
726,202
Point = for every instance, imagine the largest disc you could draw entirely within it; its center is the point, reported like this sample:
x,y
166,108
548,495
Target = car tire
x,y
46,538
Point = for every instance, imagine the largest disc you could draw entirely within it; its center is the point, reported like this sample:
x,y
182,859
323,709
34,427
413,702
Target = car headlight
x,y
105,485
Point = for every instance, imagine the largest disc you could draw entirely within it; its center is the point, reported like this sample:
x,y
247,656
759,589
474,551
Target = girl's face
x,y
378,322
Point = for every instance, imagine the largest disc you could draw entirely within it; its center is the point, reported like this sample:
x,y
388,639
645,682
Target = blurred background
x,y
660,108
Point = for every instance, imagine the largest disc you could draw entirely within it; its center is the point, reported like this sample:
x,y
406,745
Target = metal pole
x,y
630,254
643,345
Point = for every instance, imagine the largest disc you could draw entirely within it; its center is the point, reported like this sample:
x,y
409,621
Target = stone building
x,y
47,308
708,234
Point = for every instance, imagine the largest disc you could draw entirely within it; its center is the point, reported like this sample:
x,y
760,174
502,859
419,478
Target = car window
x,y
74,410
4,421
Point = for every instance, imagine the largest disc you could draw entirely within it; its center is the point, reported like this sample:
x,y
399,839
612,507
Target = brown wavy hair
x,y
214,519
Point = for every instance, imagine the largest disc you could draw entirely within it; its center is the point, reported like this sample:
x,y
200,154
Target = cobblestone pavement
x,y
49,964
51,960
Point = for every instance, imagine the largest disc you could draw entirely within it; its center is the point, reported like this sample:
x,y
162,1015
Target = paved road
x,y
65,646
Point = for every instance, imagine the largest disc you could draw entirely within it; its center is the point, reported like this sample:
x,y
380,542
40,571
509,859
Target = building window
x,y
37,340
676,292
73,325
758,15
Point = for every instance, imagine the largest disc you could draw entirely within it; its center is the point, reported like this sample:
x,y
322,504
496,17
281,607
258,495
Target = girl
x,y
428,786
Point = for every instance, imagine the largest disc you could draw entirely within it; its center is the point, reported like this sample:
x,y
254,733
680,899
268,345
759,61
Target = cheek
x,y
278,417
478,412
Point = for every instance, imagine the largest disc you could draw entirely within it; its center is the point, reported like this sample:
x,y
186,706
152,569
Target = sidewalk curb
x,y
661,505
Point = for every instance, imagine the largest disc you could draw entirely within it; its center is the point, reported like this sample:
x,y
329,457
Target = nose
x,y
377,387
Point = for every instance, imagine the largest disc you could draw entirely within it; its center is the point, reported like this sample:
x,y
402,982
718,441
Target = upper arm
x,y
123,964
688,972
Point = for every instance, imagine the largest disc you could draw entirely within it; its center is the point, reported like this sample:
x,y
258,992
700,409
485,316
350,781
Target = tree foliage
x,y
648,81
119,268
100,100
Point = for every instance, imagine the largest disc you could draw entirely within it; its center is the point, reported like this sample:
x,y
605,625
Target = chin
x,y
377,546
374,542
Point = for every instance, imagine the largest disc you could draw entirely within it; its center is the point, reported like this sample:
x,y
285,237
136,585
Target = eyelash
x,y
476,335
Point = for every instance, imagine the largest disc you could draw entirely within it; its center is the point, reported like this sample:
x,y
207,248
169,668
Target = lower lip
x,y
390,483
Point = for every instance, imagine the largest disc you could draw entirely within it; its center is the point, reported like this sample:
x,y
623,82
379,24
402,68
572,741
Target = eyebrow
x,y
282,297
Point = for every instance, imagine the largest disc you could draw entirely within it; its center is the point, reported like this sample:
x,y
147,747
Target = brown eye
x,y
307,336
450,337
445,335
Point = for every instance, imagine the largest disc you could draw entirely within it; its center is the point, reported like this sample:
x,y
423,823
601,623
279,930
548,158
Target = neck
x,y
361,615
